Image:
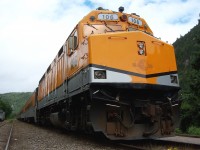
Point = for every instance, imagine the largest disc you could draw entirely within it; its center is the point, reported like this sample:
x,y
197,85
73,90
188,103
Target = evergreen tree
x,y
191,98
5,107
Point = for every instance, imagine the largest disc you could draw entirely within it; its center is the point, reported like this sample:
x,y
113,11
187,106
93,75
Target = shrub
x,y
194,130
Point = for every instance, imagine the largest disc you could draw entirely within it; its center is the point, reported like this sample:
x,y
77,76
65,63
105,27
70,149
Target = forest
x,y
187,50
12,103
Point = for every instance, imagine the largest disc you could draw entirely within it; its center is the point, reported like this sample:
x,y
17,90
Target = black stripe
x,y
132,73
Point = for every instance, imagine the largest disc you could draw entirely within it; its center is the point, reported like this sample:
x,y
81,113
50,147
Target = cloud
x,y
32,32
168,19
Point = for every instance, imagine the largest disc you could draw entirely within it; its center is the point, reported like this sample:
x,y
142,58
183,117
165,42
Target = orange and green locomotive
x,y
111,76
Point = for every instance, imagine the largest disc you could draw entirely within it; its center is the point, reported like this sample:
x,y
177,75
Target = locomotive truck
x,y
111,76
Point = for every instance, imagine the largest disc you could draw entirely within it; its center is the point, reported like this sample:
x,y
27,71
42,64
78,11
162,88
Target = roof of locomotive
x,y
102,16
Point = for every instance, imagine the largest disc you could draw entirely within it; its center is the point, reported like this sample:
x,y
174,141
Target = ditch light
x,y
99,74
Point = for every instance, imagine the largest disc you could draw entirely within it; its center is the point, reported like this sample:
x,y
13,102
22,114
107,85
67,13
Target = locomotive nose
x,y
139,57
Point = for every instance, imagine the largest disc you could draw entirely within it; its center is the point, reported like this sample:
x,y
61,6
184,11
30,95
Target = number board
x,y
109,17
135,21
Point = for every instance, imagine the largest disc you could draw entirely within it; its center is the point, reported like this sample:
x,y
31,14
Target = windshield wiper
x,y
91,26
108,27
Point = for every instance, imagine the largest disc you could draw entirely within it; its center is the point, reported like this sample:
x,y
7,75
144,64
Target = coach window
x,y
72,42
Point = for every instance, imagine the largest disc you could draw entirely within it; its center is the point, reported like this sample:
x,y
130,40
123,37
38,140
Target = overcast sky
x,y
32,31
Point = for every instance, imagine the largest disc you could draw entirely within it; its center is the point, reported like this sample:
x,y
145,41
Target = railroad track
x,y
187,135
24,132
6,129
158,145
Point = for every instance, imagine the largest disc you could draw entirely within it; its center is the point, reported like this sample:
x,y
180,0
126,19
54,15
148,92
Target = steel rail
x,y
8,142
187,135
147,144
178,143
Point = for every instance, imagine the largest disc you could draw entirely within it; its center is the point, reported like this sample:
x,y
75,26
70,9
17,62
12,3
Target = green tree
x,y
191,98
5,107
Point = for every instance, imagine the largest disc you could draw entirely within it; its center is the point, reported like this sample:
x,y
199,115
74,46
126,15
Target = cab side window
x,y
72,42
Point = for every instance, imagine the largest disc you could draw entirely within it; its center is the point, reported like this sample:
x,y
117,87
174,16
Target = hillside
x,y
186,48
16,100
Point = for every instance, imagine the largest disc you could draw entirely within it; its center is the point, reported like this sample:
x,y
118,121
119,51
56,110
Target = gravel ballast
x,y
29,136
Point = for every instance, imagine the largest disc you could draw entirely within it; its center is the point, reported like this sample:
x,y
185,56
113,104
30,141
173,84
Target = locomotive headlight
x,y
141,52
100,74
141,46
174,79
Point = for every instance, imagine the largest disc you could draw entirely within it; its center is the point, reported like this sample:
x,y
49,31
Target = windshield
x,y
98,29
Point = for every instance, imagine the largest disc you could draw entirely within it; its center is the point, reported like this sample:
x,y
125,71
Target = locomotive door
x,y
65,71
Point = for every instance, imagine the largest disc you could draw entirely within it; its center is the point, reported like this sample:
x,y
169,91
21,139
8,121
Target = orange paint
x,y
97,44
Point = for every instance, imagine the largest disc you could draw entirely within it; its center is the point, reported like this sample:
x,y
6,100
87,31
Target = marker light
x,y
123,18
